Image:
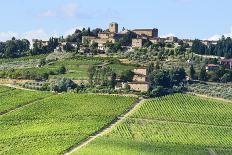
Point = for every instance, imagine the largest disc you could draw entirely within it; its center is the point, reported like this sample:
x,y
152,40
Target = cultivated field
x,y
12,99
54,124
176,124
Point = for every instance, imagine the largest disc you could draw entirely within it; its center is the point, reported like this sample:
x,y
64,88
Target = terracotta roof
x,y
212,65
138,82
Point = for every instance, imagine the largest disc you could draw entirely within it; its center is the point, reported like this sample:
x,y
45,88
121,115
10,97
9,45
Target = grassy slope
x,y
178,124
16,98
53,125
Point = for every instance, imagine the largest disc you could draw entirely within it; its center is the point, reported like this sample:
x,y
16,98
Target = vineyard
x,y
13,99
54,124
177,124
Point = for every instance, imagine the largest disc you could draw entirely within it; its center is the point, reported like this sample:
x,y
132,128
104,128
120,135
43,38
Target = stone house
x,y
138,42
140,82
139,86
151,33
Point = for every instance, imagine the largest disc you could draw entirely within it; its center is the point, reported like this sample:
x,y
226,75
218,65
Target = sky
x,y
202,19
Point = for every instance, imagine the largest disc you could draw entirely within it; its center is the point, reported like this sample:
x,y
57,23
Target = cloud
x,y
72,30
47,13
34,34
69,10
64,11
167,35
218,36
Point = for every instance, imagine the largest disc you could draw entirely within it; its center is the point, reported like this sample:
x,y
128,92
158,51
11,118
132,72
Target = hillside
x,y
176,124
53,123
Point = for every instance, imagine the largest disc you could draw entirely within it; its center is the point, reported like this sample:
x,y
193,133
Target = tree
x,y
61,85
61,70
192,72
203,74
91,72
198,47
150,68
162,78
177,75
226,78
127,76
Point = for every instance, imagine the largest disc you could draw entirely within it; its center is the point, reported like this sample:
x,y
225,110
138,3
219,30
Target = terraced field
x,y
177,124
54,124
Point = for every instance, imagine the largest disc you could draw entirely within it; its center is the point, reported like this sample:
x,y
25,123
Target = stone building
x,y
140,80
40,43
113,28
138,42
139,86
104,37
151,33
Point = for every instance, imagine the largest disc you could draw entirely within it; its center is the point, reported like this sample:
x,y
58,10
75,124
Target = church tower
x,y
113,27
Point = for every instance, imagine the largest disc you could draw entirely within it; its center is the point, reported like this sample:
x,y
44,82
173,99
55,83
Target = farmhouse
x,y
139,86
211,67
140,80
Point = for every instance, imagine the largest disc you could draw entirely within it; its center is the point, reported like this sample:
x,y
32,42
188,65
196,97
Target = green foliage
x,y
203,74
192,72
127,76
62,85
175,124
14,48
53,125
12,99
101,76
223,48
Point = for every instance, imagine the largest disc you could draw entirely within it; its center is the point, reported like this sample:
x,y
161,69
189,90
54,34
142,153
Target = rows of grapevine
x,y
4,89
16,98
52,125
187,108
176,124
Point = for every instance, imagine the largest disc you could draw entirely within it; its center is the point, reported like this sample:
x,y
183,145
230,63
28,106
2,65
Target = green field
x,y
54,124
176,124
13,99
4,89
77,68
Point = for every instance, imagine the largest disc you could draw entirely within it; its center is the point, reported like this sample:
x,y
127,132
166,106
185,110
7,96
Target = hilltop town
x,y
101,38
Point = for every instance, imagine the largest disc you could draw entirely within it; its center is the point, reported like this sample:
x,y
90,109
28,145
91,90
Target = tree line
x,y
223,48
14,48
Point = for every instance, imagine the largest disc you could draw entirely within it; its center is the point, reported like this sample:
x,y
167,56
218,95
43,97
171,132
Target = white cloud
x,y
34,34
7,35
69,10
167,35
218,36
48,13
66,10
72,30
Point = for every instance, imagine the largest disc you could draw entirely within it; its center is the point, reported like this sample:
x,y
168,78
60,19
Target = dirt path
x,y
180,122
16,87
106,129
211,151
